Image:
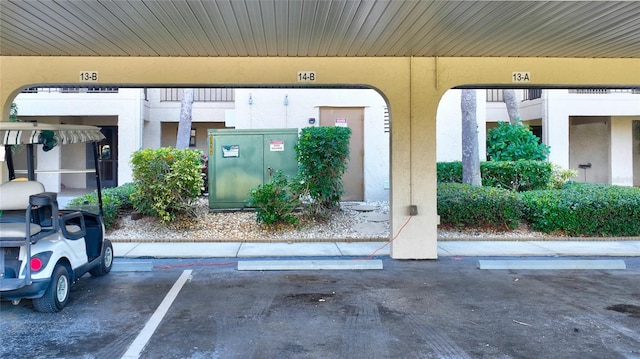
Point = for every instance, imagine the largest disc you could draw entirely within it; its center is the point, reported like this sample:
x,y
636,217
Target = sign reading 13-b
x,y
88,76
307,76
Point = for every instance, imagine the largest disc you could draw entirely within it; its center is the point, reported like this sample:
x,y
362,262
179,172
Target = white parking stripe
x,y
143,338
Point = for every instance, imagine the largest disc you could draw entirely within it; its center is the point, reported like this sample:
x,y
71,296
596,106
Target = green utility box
x,y
240,160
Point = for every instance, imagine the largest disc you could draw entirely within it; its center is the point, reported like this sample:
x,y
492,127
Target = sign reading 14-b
x,y
306,76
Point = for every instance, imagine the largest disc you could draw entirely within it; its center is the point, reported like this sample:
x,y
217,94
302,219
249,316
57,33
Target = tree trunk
x,y
470,147
184,126
513,109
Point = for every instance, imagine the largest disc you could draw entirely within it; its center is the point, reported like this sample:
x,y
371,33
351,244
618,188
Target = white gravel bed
x,y
234,226
241,226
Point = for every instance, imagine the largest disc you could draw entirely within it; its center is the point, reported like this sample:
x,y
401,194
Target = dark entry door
x,y
108,161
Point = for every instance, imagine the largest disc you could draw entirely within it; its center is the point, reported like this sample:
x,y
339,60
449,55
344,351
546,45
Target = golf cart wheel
x,y
57,295
107,260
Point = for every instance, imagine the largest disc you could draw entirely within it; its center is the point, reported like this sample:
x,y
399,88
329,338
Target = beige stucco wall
x,y
411,86
590,144
170,133
267,110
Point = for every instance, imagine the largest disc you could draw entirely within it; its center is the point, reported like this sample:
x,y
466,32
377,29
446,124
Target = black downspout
x,y
31,174
8,158
98,182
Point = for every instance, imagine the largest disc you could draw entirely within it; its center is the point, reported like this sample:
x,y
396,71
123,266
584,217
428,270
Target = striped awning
x,y
21,133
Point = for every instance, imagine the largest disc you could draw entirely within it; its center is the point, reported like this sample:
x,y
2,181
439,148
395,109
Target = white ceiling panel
x,y
320,28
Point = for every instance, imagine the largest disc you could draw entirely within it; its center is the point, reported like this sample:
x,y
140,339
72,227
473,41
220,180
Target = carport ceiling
x,y
319,28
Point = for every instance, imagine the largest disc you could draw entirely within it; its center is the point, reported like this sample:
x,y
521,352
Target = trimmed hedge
x,y
450,172
465,205
114,201
585,209
516,175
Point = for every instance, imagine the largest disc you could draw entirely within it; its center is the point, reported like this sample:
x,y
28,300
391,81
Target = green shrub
x,y
561,175
276,201
13,112
167,181
515,175
322,154
585,209
507,142
465,205
114,201
449,172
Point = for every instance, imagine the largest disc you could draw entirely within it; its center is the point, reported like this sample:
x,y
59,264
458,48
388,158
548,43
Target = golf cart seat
x,y
17,222
14,196
23,202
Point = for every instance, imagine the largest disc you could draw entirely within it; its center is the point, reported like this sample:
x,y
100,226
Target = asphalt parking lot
x,y
410,309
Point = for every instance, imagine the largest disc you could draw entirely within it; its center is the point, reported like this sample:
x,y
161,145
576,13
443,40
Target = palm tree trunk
x,y
470,146
184,126
513,109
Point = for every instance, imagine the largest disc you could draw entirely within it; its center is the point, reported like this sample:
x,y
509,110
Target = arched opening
x,y
140,117
592,131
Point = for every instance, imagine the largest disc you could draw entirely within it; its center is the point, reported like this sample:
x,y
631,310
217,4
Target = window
x,y
532,94
192,138
199,94
494,95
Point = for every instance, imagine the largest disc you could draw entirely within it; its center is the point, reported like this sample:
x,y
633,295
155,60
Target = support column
x,y
621,151
416,236
556,124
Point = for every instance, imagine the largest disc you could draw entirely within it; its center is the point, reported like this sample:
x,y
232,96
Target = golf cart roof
x,y
22,133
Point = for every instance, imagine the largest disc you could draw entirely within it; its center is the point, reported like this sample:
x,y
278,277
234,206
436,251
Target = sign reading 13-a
x,y
521,76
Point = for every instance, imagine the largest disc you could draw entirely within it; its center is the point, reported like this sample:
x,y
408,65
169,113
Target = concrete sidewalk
x,y
358,249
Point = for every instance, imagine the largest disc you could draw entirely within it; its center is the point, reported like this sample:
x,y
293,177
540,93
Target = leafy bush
x,y
276,201
515,175
561,175
13,112
585,209
449,172
114,201
466,205
167,181
322,154
507,142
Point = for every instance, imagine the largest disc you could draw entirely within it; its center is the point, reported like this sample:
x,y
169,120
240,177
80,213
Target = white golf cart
x,y
45,249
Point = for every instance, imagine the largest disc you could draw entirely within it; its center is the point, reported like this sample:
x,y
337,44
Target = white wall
x,y
449,125
621,151
559,105
268,110
93,108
